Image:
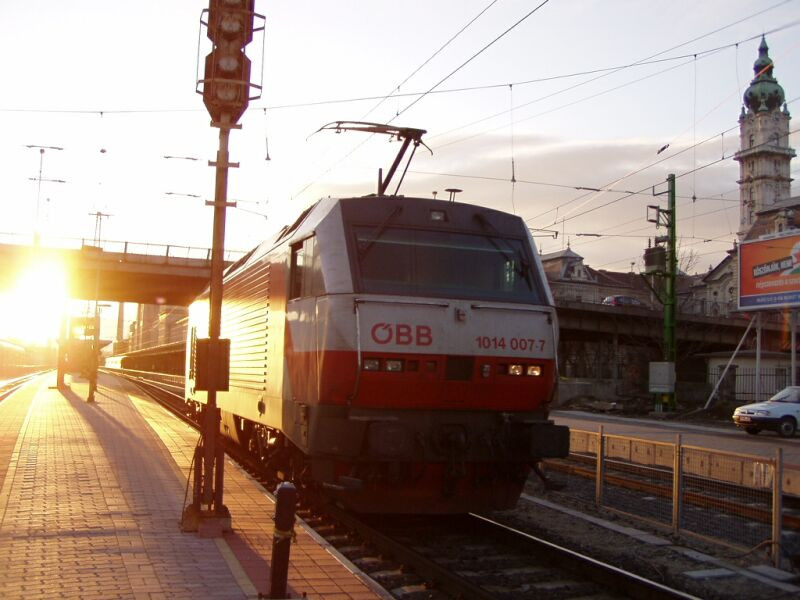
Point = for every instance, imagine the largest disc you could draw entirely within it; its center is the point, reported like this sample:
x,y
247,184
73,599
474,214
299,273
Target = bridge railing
x,y
166,251
686,306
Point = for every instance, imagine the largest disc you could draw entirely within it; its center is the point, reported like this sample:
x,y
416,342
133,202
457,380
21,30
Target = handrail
x,y
121,247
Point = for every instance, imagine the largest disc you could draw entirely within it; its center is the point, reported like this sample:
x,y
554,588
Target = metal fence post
x,y
777,507
598,482
677,496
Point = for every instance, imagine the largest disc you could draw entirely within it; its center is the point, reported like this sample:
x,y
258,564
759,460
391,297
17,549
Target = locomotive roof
x,y
414,211
372,209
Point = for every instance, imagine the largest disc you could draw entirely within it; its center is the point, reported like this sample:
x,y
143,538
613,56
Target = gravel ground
x,y
666,564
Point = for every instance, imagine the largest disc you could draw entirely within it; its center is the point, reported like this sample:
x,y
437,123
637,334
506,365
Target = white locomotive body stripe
x,y
421,326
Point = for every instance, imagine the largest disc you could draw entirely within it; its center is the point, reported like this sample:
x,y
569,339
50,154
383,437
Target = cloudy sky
x,y
576,94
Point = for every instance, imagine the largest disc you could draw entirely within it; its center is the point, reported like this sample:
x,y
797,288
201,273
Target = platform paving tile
x,y
313,571
89,503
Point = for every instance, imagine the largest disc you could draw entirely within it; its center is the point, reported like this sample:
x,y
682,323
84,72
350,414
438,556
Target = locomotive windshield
x,y
420,262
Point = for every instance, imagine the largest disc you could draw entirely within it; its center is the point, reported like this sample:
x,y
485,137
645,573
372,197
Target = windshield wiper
x,y
378,232
492,235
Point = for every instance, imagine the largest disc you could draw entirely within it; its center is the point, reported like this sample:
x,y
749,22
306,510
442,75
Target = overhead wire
x,y
607,72
645,167
684,174
474,56
513,167
429,59
557,185
384,98
634,172
589,197
645,228
309,104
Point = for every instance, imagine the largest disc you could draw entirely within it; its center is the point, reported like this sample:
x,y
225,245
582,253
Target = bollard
x,y
286,498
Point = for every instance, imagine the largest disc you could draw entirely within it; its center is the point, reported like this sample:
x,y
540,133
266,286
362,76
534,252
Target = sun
x,y
31,312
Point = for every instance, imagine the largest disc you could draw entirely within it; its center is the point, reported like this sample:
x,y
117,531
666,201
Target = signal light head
x,y
226,84
231,20
230,25
229,63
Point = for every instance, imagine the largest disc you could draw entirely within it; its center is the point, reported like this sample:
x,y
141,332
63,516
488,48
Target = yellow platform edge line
x,y
236,568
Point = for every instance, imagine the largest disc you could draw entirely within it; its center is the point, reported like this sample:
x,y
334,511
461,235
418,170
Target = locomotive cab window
x,y
306,270
446,263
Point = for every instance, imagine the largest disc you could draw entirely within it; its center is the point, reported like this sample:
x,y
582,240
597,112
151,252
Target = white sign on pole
x,y
662,377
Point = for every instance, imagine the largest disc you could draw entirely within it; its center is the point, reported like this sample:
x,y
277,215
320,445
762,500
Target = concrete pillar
x,y
120,321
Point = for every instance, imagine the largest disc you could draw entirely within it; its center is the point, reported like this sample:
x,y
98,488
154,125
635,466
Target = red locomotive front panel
x,y
441,354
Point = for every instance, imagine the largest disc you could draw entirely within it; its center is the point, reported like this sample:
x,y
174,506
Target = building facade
x,y
766,206
764,154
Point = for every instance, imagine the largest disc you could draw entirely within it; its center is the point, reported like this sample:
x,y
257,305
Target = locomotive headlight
x,y
486,370
394,365
438,215
515,369
371,364
533,370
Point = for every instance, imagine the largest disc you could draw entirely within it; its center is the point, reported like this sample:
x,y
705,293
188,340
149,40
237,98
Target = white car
x,y
780,413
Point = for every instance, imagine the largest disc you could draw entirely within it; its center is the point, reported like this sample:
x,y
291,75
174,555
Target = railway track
x,y
474,556
468,556
9,386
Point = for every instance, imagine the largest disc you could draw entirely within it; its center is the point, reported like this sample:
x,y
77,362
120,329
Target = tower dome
x,y
764,93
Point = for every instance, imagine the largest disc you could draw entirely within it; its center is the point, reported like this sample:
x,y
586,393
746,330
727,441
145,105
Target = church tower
x,y
764,154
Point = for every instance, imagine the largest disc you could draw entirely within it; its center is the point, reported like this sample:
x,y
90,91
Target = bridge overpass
x,y
119,271
600,321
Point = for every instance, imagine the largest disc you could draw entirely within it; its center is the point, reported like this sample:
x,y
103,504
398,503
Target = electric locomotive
x,y
398,353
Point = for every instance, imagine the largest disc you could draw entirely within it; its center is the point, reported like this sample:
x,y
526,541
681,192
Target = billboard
x,y
769,273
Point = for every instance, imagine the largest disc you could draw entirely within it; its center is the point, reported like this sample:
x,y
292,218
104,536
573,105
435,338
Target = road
x,y
725,438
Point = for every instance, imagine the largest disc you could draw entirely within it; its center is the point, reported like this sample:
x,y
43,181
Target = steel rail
x,y
616,579
608,577
9,386
435,574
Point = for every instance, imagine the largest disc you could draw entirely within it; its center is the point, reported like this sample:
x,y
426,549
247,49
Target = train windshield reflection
x,y
443,263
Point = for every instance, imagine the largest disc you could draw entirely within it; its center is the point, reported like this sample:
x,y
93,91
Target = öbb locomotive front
x,y
399,353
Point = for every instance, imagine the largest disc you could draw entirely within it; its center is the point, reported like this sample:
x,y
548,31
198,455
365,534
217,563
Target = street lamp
x,y
36,235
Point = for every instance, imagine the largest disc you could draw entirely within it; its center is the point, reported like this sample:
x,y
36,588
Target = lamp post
x,y
39,179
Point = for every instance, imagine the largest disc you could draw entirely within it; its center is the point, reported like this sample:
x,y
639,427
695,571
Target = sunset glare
x,y
31,311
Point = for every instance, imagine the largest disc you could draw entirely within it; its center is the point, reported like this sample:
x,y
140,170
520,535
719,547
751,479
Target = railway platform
x,y
90,505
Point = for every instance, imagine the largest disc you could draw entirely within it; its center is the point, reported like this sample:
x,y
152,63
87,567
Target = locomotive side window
x,y
445,263
306,270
